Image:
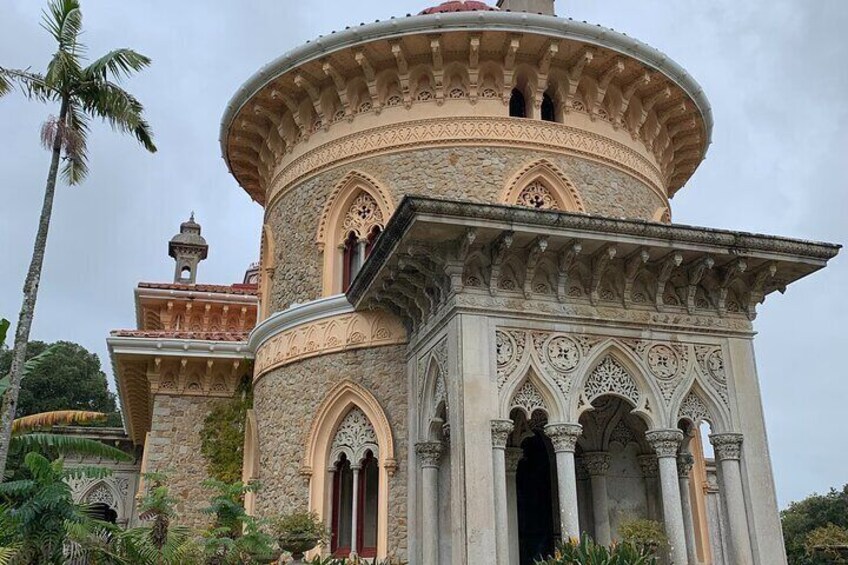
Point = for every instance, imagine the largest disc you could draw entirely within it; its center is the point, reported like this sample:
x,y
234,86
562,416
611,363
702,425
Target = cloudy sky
x,y
774,71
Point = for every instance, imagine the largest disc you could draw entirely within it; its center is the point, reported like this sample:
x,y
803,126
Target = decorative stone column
x,y
513,458
666,443
500,434
685,462
564,437
728,450
651,472
598,464
354,526
429,454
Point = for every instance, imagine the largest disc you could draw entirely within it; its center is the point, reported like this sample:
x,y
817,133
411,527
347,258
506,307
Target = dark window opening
x,y
548,109
517,104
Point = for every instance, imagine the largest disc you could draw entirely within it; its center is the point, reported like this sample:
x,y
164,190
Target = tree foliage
x,y
222,436
804,517
69,378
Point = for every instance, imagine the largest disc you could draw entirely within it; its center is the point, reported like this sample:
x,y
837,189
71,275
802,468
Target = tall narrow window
x,y
363,223
517,104
356,487
548,109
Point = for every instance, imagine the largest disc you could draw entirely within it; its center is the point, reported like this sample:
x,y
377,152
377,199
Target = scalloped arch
x,y
554,403
649,407
564,191
699,404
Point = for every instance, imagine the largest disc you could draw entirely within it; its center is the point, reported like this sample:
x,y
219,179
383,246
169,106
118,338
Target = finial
x,y
192,216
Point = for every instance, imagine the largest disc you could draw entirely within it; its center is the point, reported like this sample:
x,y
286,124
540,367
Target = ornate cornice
x,y
468,131
319,328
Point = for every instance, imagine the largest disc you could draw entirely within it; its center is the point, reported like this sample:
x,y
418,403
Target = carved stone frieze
x,y
328,335
435,132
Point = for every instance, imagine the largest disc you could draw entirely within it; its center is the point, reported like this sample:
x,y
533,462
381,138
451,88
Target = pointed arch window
x,y
355,488
537,195
362,225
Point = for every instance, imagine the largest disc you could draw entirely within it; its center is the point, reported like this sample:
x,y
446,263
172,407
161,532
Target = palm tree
x,y
82,93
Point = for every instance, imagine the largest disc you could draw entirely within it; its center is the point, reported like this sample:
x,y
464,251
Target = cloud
x,y
770,68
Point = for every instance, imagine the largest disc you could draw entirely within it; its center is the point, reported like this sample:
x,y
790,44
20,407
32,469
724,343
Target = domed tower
x,y
188,248
475,304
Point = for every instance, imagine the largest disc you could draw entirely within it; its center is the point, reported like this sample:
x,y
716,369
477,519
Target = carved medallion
x,y
563,354
663,361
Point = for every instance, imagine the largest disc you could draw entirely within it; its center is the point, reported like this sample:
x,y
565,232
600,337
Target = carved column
x,y
685,462
513,458
500,434
597,464
651,472
666,443
728,450
354,526
429,454
564,437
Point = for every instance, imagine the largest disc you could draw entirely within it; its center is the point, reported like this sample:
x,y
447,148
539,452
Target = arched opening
x,y
517,104
369,497
185,273
102,512
536,489
355,493
342,522
548,108
618,475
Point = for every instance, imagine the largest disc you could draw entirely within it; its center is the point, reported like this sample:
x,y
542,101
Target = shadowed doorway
x,y
536,499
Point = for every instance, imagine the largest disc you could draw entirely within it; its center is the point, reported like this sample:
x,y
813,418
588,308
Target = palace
x,y
474,330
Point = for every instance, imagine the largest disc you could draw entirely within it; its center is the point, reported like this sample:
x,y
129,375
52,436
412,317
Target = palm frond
x,y
118,108
63,70
8,554
117,64
63,19
56,418
75,145
34,363
67,445
33,85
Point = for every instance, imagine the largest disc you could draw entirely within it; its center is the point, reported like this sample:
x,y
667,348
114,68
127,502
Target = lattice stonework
x,y
536,195
529,399
362,217
694,409
101,495
609,377
355,435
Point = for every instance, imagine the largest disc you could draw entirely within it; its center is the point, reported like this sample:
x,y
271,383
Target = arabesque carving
x,y
329,335
609,377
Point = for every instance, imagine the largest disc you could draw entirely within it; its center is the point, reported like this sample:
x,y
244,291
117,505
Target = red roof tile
x,y
199,336
459,6
242,289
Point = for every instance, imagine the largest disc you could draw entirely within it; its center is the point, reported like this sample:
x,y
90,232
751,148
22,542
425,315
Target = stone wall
x,y
286,401
477,174
174,448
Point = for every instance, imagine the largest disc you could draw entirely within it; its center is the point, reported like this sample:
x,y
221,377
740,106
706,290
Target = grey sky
x,y
774,71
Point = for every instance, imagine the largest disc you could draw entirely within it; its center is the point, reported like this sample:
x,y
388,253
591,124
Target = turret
x,y
188,248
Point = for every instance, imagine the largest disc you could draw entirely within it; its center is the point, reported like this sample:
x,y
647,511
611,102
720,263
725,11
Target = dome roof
x,y
459,6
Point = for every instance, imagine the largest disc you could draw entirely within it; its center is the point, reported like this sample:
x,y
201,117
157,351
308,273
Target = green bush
x,y
587,552
299,531
222,436
647,535
828,542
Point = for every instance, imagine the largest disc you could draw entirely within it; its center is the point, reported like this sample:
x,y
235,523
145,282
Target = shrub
x,y
646,535
829,542
300,531
587,552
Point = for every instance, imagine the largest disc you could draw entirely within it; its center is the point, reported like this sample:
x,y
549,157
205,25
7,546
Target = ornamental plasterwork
x,y
529,399
354,437
510,346
711,362
609,377
694,409
486,131
362,217
536,195
330,335
667,362
101,494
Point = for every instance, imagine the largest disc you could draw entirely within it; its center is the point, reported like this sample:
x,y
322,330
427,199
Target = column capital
x,y
727,446
429,453
665,442
500,432
513,456
650,466
597,463
685,462
564,436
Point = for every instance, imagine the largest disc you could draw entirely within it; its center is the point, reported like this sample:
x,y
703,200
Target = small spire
x,y
192,216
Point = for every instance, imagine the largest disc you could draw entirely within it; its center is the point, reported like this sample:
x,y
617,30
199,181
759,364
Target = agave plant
x,y
587,552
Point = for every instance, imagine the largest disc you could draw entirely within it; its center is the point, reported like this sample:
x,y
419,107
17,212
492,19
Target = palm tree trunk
x,y
10,400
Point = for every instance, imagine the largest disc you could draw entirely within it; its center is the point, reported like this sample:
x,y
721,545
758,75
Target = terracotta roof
x,y
459,6
243,289
200,336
